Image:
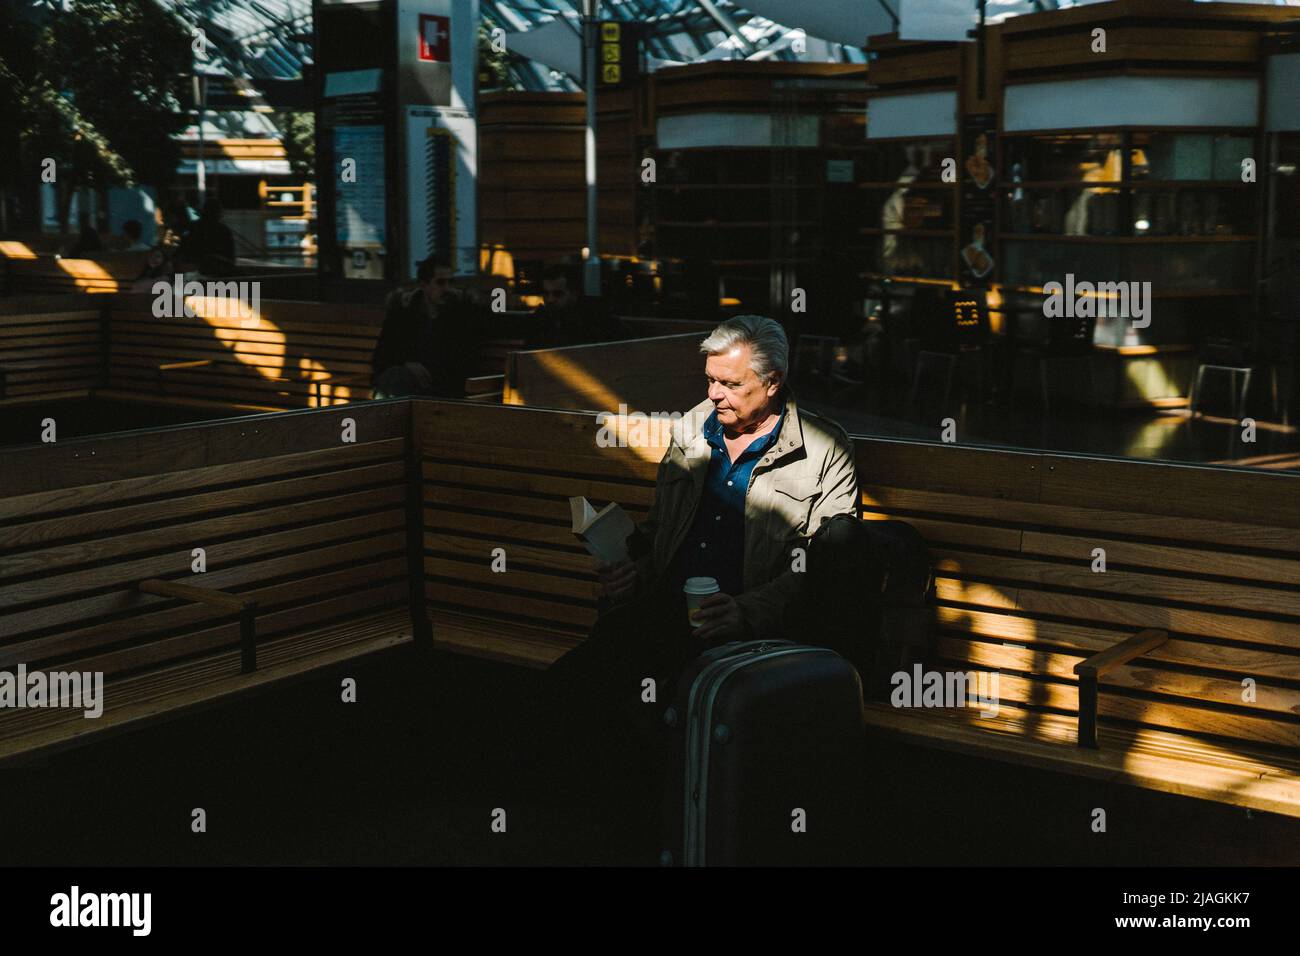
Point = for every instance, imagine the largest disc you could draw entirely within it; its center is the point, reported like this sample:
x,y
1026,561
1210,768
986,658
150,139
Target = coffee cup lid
x,y
701,586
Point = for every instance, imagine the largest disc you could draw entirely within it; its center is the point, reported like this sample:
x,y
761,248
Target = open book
x,y
604,532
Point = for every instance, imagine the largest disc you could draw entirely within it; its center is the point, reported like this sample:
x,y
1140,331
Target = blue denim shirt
x,y
715,544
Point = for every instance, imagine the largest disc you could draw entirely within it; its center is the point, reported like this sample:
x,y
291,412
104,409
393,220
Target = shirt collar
x,y
712,431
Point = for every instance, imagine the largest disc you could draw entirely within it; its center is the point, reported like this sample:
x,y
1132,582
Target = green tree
x,y
98,88
298,133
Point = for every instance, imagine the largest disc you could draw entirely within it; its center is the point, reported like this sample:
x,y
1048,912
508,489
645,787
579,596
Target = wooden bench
x,y
307,538
51,347
1206,557
348,547
295,355
45,274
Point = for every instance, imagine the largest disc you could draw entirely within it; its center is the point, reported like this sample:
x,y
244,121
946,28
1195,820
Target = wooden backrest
x,y
663,374
497,476
271,359
270,362
312,527
50,345
1211,555
1013,536
43,274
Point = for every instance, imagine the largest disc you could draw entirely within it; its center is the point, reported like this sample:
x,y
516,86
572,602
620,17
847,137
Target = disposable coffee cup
x,y
696,590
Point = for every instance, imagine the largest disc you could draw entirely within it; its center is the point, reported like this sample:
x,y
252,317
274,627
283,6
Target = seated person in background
x,y
429,342
569,317
133,231
747,477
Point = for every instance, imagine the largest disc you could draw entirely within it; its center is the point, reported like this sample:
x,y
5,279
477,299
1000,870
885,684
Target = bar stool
x,y
1238,395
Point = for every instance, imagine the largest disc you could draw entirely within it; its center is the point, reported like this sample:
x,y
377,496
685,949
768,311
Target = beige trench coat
x,y
802,480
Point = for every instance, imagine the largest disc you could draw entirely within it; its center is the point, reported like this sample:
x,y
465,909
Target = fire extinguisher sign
x,y
435,38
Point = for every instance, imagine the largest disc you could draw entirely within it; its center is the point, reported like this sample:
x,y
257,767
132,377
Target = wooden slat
x,y
34,471
178,505
487,602
893,501
481,573
219,554
494,640
1045,741
549,559
196,531
565,485
1125,584
193,685
1264,663
305,567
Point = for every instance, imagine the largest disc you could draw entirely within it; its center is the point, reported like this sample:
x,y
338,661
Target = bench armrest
x,y
232,603
1091,669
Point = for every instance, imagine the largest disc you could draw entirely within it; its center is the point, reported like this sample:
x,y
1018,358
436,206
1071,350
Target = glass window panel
x,y
1088,157
921,256
1190,156
1063,211
1035,262
1171,267
1193,212
905,161
906,208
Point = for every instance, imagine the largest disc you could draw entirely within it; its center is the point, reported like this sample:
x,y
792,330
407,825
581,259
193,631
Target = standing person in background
x,y
210,242
88,241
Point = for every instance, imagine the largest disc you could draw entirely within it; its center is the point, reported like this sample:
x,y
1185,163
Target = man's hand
x,y
618,581
719,617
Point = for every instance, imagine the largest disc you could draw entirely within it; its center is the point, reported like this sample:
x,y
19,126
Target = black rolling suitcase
x,y
766,762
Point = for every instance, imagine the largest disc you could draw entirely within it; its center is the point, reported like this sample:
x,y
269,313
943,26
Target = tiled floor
x,y
412,773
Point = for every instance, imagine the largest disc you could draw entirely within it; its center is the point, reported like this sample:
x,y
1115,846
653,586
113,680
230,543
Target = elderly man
x,y
746,479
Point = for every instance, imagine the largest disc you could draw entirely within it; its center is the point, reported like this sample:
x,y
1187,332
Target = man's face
x,y
556,294
737,394
436,288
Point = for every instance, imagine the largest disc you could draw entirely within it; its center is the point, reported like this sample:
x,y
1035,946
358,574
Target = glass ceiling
x,y
271,39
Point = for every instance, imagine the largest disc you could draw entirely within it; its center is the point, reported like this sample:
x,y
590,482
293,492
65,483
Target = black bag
x,y
863,594
766,759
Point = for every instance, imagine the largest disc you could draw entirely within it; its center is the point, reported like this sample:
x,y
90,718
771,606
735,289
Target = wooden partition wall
x,y
50,346
271,358
341,522
1208,555
663,374
300,512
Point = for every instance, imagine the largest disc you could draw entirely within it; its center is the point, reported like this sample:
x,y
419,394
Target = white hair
x,y
769,348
